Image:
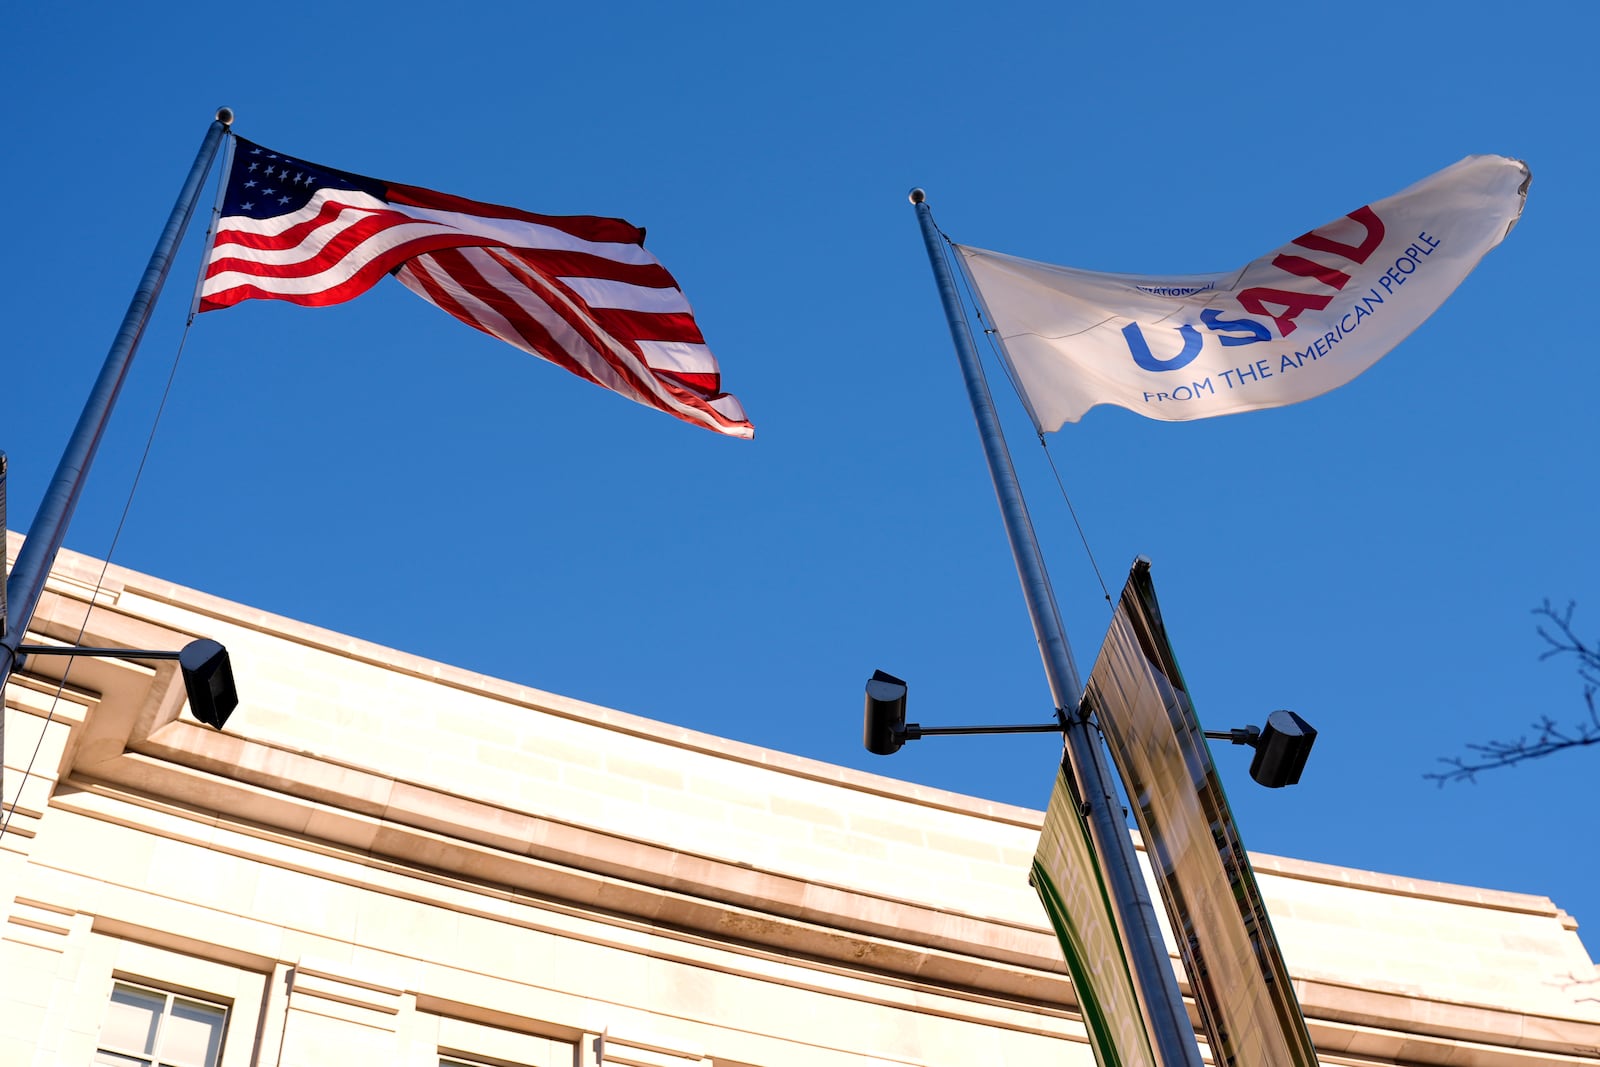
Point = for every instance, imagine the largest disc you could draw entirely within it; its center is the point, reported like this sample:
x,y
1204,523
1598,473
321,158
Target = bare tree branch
x,y
1549,735
1575,981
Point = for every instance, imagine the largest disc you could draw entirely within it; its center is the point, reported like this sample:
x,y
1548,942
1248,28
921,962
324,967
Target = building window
x,y
466,1043
152,1028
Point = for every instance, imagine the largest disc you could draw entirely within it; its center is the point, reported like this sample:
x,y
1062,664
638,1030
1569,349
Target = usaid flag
x,y
1286,327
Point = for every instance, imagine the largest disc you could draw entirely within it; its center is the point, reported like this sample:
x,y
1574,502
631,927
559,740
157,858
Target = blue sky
x,y
1369,558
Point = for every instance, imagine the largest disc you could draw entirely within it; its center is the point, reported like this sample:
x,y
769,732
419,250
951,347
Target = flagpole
x,y
1154,981
25,584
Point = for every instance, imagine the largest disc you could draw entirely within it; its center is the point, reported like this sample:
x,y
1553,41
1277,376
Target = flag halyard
x,y
578,291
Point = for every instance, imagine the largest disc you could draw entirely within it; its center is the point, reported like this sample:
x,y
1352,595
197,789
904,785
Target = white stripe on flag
x,y
487,318
312,247
334,276
494,273
680,356
624,296
514,233
728,406
555,301
348,199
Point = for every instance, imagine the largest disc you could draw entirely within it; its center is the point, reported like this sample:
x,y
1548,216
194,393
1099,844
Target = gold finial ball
x,y
918,196
225,115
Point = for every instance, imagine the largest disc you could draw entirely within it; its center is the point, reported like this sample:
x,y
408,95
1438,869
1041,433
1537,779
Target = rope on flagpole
x,y
994,350
1094,563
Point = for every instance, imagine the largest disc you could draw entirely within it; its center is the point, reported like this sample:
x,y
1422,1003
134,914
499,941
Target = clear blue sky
x,y
1369,558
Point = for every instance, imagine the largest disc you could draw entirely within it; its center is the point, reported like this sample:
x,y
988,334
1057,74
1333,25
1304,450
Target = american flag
x,y
579,291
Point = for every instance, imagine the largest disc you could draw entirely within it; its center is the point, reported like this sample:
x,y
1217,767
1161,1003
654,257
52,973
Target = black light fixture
x,y
208,679
1282,747
884,728
207,673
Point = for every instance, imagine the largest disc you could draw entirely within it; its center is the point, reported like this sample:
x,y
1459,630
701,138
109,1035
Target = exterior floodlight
x,y
1281,750
1282,747
208,678
885,728
207,673
884,724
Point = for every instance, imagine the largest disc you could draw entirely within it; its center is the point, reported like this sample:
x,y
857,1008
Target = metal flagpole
x,y
26,582
1155,984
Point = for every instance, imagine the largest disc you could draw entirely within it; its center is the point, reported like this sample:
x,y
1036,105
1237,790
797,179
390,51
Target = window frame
x,y
136,956
457,1041
169,998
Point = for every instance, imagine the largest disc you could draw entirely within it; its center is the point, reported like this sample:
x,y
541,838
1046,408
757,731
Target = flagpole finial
x,y
225,115
918,196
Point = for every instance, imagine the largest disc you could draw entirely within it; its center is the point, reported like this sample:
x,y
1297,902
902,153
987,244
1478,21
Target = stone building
x,y
386,860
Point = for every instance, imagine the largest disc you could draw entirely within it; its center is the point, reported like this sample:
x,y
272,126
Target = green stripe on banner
x,y
1069,884
1094,1016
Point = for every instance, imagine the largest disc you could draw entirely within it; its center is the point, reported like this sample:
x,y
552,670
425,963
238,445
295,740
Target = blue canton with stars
x,y
264,183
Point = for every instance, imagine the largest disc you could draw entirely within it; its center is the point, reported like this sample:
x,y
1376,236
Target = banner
x,y
1236,972
1289,326
1067,879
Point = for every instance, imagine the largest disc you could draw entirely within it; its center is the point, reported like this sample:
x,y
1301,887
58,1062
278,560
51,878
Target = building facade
x,y
386,860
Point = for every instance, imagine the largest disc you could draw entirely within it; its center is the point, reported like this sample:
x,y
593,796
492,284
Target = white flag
x,y
1286,327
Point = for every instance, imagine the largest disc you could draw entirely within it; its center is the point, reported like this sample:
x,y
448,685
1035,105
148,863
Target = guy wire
x,y
994,348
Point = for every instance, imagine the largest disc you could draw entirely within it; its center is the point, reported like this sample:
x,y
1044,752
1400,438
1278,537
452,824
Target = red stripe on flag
x,y
559,263
529,334
628,366
584,227
648,326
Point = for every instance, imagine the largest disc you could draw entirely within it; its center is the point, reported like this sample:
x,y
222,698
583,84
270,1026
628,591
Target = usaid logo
x,y
1281,306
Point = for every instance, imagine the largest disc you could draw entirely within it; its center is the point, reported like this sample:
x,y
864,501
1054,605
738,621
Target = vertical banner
x,y
1235,969
1067,878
